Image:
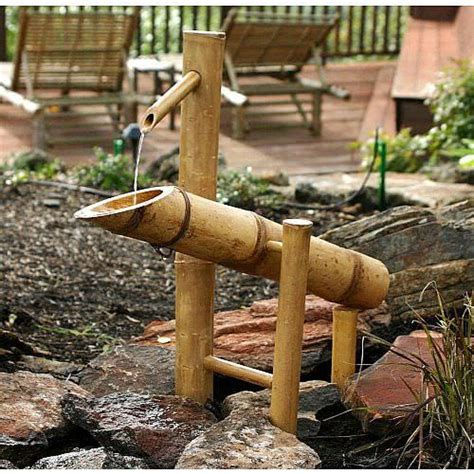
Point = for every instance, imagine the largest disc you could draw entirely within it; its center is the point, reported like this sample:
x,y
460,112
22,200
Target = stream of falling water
x,y
137,165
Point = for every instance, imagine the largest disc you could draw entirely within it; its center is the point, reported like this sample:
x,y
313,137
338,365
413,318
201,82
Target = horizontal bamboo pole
x,y
344,344
169,100
238,239
231,369
290,322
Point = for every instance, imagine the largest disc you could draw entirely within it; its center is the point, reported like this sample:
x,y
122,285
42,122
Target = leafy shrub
x,y
452,106
405,154
115,173
245,190
31,165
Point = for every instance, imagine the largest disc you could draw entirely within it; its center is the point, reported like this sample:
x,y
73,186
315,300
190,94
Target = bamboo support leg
x,y
290,321
199,141
344,343
316,113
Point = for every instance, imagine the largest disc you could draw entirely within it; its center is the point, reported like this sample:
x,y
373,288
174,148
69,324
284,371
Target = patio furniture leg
x,y
39,130
301,111
238,122
316,113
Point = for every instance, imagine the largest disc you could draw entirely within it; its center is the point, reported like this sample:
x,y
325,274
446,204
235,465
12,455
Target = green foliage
x,y
451,136
405,154
245,190
30,165
111,173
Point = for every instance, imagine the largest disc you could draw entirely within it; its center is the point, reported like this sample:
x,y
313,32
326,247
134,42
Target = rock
x,y
402,188
156,428
97,458
379,395
247,440
5,464
30,414
418,246
451,173
246,336
138,369
314,396
166,167
41,365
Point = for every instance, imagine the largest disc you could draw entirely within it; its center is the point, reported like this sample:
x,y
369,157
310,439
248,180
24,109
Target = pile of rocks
x,y
125,422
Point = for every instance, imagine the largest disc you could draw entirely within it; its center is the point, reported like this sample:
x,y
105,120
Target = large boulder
x,y
246,336
247,440
137,369
418,246
97,458
31,418
155,428
386,393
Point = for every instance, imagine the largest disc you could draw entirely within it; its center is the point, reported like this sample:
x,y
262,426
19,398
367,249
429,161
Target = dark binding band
x,y
182,230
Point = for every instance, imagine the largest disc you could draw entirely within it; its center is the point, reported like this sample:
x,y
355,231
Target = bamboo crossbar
x,y
241,372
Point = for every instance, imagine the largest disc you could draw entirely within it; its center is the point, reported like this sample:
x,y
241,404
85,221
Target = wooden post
x,y
200,123
290,320
344,343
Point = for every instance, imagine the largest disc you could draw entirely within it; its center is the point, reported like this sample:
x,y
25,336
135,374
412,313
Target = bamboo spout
x,y
195,226
168,101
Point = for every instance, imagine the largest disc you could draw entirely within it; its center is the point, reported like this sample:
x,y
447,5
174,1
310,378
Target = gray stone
x,y
314,396
402,188
155,428
31,418
97,458
247,440
418,246
41,365
137,369
5,464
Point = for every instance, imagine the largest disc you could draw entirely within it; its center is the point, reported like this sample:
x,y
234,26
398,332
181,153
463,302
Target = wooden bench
x,y
429,46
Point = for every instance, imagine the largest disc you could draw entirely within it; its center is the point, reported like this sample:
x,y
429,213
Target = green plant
x,y
443,434
405,153
452,106
30,165
110,173
245,190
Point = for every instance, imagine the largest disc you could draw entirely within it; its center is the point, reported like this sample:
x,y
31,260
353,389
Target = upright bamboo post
x,y
290,321
344,343
195,279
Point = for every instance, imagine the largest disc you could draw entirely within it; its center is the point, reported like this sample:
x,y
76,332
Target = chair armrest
x,y
235,98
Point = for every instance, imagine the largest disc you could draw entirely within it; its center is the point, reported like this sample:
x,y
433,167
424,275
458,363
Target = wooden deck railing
x,y
362,30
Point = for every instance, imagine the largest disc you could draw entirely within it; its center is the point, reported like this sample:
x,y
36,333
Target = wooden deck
x,y
291,150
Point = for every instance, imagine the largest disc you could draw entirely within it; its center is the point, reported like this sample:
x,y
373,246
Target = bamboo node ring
x,y
180,234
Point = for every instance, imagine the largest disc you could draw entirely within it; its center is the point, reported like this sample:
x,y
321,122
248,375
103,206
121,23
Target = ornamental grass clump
x,y
440,430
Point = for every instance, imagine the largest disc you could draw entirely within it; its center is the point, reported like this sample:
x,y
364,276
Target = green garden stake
x,y
382,151
119,147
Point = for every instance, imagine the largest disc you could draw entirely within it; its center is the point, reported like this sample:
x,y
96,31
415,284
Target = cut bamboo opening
x,y
169,100
290,321
344,344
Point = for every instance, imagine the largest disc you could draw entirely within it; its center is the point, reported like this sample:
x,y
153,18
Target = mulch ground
x,y
74,290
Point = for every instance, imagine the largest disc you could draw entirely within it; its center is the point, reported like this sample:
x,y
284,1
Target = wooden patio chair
x,y
276,45
64,61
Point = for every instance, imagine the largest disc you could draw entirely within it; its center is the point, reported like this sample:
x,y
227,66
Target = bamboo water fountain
x,y
187,219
